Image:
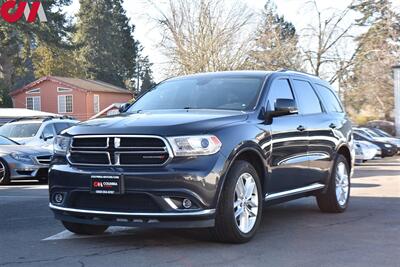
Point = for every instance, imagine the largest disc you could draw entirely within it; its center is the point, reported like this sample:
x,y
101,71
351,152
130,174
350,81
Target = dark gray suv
x,y
206,150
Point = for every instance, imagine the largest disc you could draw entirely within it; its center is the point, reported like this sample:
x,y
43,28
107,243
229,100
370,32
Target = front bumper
x,y
20,170
151,195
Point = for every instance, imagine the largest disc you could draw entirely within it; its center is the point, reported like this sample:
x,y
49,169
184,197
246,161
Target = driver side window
x,y
280,88
48,131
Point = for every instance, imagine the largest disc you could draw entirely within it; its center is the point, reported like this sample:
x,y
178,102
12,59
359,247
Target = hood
x,y
160,122
23,140
30,150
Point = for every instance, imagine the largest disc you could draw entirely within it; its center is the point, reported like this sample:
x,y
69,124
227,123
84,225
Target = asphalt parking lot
x,y
291,234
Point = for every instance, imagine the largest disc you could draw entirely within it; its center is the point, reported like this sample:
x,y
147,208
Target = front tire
x,y
240,207
84,229
4,173
336,198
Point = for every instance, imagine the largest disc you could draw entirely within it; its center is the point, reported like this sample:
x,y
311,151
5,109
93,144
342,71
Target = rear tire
x,y
84,229
336,198
239,211
4,173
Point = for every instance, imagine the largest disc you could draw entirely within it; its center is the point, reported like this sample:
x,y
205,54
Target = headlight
x,y
61,144
194,145
21,157
388,145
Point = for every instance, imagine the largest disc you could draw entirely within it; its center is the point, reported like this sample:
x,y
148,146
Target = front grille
x,y
119,203
119,151
45,160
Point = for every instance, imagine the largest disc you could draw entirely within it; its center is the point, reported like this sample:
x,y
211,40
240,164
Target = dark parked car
x,y
388,149
206,150
20,162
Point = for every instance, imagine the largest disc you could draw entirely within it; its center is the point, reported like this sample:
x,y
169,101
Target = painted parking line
x,y
112,231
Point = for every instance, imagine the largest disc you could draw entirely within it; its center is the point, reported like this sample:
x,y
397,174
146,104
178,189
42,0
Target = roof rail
x,y
44,118
296,71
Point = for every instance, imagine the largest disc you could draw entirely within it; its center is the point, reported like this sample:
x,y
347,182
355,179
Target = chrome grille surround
x,y
43,160
113,150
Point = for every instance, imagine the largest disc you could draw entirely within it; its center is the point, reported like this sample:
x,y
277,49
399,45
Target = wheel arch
x,y
252,153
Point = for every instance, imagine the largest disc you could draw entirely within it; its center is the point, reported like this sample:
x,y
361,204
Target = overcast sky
x,y
140,14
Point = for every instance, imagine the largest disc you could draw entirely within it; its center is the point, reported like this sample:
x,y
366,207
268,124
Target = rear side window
x,y
306,98
279,89
331,102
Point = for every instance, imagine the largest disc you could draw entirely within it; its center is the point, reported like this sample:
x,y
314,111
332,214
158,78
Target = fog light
x,y
58,198
186,203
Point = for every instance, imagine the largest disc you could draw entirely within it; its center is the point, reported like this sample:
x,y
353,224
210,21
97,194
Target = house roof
x,y
75,83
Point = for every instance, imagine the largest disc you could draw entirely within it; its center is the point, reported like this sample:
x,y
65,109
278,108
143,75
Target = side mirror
x,y
47,137
123,108
284,107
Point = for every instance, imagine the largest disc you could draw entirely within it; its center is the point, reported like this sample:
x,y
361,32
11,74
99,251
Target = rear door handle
x,y
332,126
301,128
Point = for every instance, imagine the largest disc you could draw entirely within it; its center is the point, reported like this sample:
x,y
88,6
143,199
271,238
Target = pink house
x,y
79,98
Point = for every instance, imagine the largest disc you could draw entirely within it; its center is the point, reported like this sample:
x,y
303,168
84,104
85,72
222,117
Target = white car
x,y
366,151
38,132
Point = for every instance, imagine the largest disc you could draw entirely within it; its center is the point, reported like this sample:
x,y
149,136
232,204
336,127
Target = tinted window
x,y
232,93
330,100
306,97
61,127
279,89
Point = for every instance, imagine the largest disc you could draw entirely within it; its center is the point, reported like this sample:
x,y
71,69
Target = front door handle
x,y
301,128
332,126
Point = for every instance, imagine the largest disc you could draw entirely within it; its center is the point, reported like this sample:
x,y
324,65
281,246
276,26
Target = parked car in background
x,y
389,137
206,150
38,131
22,162
366,151
387,149
368,132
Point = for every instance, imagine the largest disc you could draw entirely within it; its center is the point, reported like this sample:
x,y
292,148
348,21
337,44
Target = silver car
x,y
22,162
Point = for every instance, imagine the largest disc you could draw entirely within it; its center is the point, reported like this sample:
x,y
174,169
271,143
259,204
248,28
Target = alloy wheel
x,y
2,171
342,184
246,203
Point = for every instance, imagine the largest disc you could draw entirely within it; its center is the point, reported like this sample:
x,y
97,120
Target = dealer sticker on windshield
x,y
106,184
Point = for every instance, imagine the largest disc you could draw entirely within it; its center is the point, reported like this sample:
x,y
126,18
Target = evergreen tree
x,y
275,43
106,47
146,76
17,40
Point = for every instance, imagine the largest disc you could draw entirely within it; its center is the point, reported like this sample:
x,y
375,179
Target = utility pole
x,y
396,79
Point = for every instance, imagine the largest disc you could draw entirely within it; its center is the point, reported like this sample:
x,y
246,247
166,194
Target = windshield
x,y
19,130
372,133
230,93
5,141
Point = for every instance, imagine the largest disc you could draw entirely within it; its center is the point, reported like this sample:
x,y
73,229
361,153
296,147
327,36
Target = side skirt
x,y
292,192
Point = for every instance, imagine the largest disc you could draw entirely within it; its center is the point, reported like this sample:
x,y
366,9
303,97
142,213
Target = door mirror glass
x,y
284,107
47,136
124,107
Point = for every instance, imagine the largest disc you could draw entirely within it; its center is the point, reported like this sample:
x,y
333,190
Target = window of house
x,y
64,103
63,90
96,104
33,102
33,91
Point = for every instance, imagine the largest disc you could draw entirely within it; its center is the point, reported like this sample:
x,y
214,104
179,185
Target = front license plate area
x,y
106,184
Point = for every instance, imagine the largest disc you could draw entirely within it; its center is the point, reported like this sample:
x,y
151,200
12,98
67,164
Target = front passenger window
x,y
279,89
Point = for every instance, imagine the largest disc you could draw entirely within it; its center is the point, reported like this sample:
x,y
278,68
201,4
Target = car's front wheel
x,y
336,197
84,229
240,206
4,173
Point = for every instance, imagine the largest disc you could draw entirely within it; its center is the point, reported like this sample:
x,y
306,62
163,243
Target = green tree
x,y
106,47
276,43
146,76
17,40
